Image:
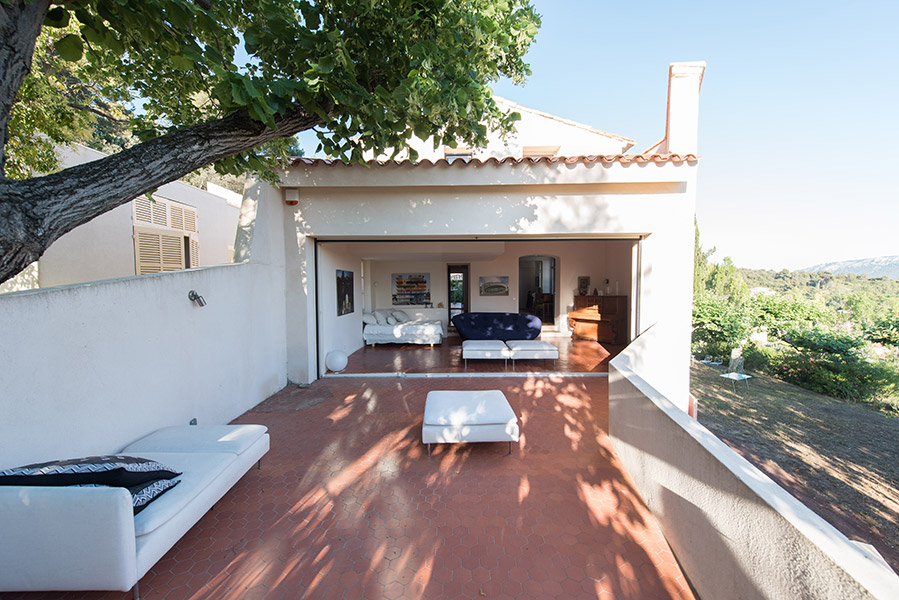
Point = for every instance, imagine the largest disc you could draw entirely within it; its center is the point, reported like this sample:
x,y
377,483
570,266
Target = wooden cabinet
x,y
599,318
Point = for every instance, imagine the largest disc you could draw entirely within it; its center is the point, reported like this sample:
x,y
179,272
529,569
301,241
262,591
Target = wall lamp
x,y
291,197
193,296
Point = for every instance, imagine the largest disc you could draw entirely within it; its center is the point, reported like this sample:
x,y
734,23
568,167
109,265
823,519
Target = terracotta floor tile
x,y
349,505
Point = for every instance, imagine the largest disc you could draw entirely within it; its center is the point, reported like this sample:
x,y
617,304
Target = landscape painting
x,y
496,285
344,292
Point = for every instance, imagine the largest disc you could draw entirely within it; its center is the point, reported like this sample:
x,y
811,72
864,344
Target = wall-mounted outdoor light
x,y
193,296
291,197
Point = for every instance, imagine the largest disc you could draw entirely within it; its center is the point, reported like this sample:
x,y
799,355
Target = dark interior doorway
x,y
537,287
458,286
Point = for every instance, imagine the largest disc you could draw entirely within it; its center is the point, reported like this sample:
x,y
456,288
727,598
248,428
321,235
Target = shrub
x,y
835,365
779,314
759,358
718,325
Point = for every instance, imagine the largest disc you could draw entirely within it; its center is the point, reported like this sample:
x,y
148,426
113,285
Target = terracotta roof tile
x,y
605,159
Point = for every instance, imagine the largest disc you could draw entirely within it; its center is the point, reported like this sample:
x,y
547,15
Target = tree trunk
x,y
36,212
20,24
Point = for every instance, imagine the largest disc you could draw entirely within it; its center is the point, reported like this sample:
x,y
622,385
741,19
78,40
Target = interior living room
x,y
432,281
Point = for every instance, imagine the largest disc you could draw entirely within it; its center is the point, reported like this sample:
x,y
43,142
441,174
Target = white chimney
x,y
682,127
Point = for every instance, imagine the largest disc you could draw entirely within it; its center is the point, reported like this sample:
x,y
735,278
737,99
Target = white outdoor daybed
x,y
88,538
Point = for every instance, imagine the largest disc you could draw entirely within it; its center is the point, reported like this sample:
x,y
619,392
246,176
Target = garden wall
x,y
86,369
735,532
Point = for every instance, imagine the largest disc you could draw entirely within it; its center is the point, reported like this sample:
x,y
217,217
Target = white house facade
x,y
180,227
559,190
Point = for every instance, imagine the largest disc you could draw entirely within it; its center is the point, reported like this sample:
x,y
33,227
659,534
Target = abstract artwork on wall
x,y
495,285
344,292
411,288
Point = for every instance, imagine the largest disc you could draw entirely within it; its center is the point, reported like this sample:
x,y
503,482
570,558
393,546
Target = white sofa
x,y
88,538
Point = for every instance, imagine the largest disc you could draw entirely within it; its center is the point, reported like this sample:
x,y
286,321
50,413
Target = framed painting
x,y
494,285
411,288
345,294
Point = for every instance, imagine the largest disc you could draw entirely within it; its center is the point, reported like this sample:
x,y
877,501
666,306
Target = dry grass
x,y
836,457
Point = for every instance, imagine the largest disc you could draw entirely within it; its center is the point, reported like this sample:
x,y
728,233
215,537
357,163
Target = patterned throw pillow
x,y
117,471
143,494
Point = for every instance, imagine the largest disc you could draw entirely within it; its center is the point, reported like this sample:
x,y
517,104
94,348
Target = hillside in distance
x,y
882,266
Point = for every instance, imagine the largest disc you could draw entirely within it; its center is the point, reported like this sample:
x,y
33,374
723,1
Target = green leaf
x,y
182,62
70,47
57,17
326,64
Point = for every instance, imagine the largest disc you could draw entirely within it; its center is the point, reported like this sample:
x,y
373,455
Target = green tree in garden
x,y
780,314
367,76
725,280
863,307
700,262
719,325
885,330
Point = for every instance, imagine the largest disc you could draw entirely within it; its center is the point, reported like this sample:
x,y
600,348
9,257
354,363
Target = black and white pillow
x,y
143,494
116,471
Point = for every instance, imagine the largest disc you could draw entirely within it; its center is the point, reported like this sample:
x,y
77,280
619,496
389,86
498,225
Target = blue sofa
x,y
497,326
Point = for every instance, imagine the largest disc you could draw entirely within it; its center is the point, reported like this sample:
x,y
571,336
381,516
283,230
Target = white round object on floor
x,y
336,361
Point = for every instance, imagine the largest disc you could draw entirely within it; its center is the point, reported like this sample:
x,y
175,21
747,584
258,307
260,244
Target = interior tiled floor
x,y
348,504
575,356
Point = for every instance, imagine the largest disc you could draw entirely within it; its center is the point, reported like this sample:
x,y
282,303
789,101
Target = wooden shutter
x,y
194,251
143,213
159,212
190,220
176,213
156,251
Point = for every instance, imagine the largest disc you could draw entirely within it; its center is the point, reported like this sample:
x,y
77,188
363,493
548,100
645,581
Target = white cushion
x,y
401,316
468,416
199,471
456,434
369,319
521,349
381,316
198,438
484,349
468,407
391,320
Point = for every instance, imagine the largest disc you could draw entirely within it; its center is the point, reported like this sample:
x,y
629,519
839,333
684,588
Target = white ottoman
x,y
459,416
484,349
536,349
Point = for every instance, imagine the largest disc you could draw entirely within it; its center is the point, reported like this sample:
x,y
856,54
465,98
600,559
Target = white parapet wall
x,y
736,533
86,369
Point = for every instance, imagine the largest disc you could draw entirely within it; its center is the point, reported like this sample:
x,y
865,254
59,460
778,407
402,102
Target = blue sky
x,y
798,113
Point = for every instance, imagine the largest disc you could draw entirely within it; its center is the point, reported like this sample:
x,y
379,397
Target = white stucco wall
x,y
735,532
342,332
100,249
526,202
104,247
88,368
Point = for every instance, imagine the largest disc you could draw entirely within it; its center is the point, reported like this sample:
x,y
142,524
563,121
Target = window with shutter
x,y
170,242
156,252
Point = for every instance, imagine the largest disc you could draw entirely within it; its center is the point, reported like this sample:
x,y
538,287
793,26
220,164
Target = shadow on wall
x,y
26,280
